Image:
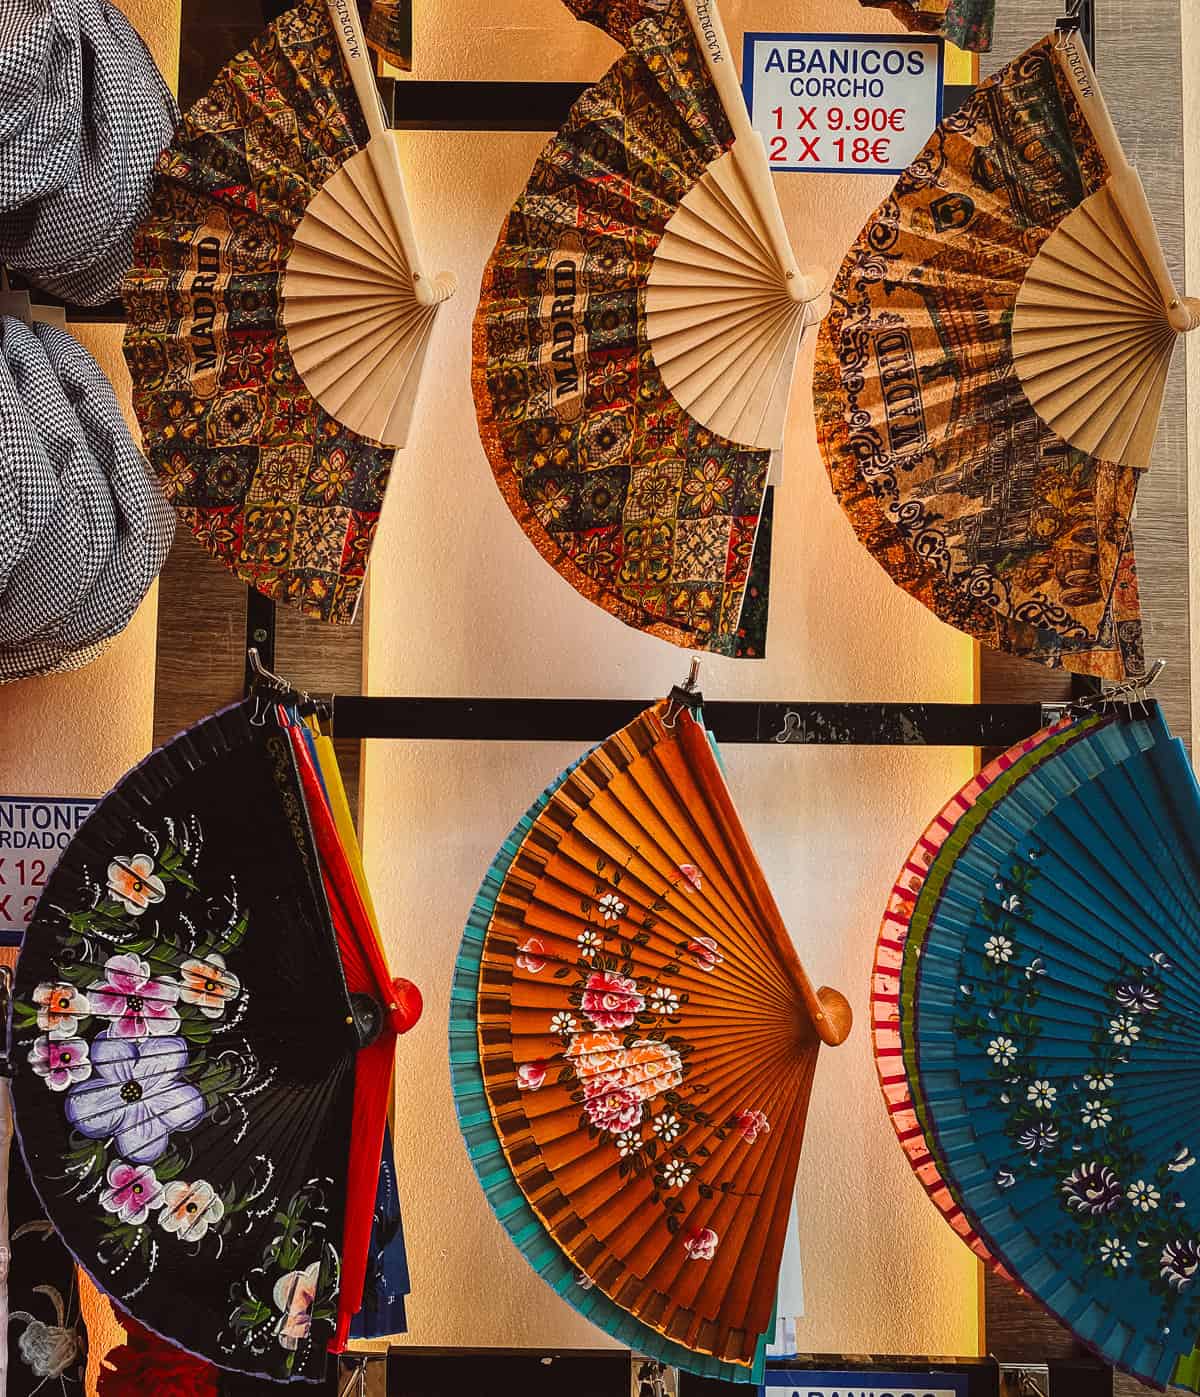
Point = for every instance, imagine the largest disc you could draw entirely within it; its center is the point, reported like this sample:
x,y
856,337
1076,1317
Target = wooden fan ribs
x,y
735,1035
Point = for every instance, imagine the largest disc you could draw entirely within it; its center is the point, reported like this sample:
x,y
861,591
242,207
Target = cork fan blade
x,y
646,1039
1037,984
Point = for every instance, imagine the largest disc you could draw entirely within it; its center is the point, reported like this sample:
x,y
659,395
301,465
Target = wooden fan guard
x,y
726,304
1097,317
649,800
358,306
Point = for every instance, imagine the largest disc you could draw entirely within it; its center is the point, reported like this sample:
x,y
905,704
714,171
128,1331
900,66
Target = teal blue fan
x,y
1038,978
491,1166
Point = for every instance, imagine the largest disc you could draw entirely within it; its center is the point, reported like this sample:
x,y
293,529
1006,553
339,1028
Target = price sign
x,y
848,103
33,833
801,1382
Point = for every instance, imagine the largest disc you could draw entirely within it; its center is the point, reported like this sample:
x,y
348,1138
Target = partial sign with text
x,y
34,831
843,103
802,1382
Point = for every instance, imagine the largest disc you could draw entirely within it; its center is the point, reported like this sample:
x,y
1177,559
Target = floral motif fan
x,y
193,1031
1034,1019
638,325
623,964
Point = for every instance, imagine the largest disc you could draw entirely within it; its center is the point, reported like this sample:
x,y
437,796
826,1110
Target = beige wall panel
x,y
462,604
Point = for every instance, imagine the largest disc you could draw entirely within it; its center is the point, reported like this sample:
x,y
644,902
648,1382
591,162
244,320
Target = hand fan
x,y
1035,982
195,1018
389,32
632,1025
967,23
989,379
638,324
279,314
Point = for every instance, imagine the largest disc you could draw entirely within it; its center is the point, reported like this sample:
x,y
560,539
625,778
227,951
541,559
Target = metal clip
x,y
684,695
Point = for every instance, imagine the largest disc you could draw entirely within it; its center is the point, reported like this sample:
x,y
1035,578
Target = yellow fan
x,y
358,307
1097,317
726,305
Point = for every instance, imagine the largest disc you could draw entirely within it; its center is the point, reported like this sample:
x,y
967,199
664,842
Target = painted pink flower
x,y
611,1001
692,874
138,1005
703,951
531,1075
530,956
61,1061
701,1244
752,1124
610,1106
133,1190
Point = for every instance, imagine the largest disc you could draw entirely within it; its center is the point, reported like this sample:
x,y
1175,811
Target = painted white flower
x,y
1096,1114
999,949
1184,1159
1142,1195
1005,1178
564,1023
1002,1051
589,942
1012,903
1035,968
628,1142
190,1209
1099,1081
1042,1094
1124,1030
667,1126
1114,1253
677,1173
664,1001
612,907
1161,961
1138,999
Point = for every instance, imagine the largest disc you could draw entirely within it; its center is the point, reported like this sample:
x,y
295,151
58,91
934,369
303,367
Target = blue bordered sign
x,y
34,830
863,1382
859,104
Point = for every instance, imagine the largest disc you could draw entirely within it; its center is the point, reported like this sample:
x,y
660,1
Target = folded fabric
x,y
84,114
84,525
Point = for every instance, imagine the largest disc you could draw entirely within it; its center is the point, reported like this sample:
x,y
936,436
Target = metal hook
x,y
263,674
681,695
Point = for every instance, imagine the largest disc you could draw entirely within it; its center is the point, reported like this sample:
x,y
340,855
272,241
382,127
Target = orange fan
x,y
647,1036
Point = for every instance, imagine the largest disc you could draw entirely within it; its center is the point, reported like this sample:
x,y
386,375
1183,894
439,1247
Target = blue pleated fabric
x,y
1052,1035
491,1166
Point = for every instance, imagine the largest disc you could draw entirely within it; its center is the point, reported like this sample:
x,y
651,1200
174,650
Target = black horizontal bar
x,y
416,105
592,720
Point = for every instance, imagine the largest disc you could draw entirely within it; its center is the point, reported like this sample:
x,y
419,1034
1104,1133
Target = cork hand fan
x,y
1034,1019
279,314
967,23
634,1040
638,326
990,378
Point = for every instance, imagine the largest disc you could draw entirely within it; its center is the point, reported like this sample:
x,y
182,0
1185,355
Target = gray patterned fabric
x,y
84,114
84,525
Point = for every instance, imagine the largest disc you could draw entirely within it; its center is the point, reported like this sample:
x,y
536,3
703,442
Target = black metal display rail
x,y
780,724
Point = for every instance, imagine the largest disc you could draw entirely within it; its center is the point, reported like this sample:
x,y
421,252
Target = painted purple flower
x,y
61,1062
1179,1262
139,1006
132,1191
135,1096
1139,999
1092,1188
